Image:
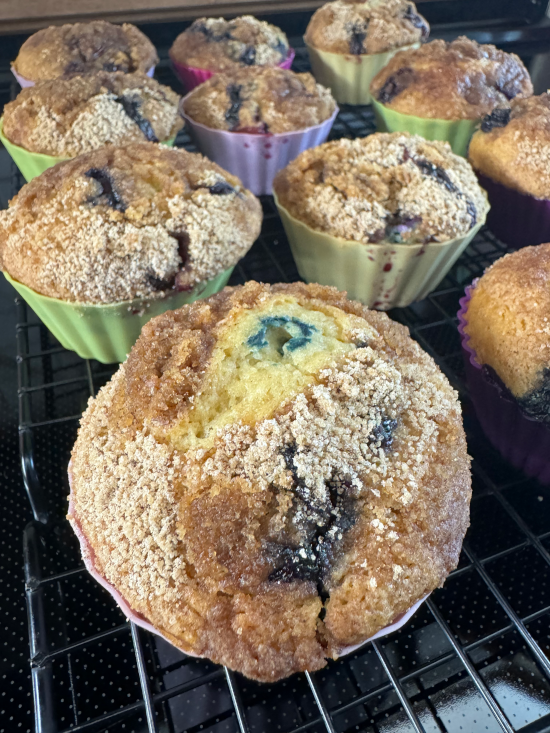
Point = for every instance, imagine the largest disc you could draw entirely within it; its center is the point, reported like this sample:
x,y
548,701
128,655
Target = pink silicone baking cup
x,y
517,219
192,76
522,441
28,83
138,619
256,158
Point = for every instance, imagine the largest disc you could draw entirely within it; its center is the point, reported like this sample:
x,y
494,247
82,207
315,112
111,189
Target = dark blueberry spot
x,y
472,211
108,191
399,224
395,84
132,108
109,66
536,404
434,171
221,188
198,27
361,345
417,21
358,33
235,102
499,117
286,334
248,56
281,48
509,87
383,433
157,283
74,67
377,236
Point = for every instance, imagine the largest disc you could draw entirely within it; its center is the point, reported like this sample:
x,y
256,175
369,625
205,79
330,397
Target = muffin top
x,y
127,222
261,100
275,473
449,81
374,26
512,146
67,117
81,48
224,45
508,322
388,187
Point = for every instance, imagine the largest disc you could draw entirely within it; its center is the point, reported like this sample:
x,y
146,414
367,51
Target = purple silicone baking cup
x,y
192,76
256,158
23,82
522,441
517,219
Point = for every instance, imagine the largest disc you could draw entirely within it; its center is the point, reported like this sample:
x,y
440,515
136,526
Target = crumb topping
x,y
396,188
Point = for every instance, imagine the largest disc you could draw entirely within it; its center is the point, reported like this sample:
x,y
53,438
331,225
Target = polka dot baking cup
x,y
348,76
28,83
522,441
456,132
107,332
517,219
256,158
192,76
381,276
88,556
33,164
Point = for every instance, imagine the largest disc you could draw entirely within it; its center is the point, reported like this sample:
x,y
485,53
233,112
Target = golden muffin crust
x,y
83,48
225,45
387,187
260,100
374,26
274,474
512,146
461,80
127,222
508,322
67,117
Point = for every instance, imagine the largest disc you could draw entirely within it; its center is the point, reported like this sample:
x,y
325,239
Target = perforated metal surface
x,y
474,658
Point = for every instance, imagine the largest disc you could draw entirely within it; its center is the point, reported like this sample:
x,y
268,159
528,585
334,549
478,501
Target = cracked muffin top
x,y
275,473
260,100
508,322
448,81
127,222
67,117
83,48
512,146
224,45
387,187
374,26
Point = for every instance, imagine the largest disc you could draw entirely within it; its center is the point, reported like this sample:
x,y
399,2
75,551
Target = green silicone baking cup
x,y
349,76
107,332
33,164
456,132
381,275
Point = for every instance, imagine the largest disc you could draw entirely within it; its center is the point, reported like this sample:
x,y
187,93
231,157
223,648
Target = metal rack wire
x,y
474,658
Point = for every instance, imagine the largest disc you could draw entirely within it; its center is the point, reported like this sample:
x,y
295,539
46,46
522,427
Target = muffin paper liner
x,y
33,164
456,132
516,218
88,556
192,76
522,441
349,76
107,332
256,158
28,83
381,276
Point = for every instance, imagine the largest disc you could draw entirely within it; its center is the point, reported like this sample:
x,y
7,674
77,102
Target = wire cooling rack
x,y
474,658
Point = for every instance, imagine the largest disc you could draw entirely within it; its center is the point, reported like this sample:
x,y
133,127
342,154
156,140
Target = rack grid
x,y
475,657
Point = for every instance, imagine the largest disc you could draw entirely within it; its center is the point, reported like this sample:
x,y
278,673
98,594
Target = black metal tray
x,y
474,658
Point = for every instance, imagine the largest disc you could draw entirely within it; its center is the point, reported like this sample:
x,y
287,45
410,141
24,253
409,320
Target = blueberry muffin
x,y
395,188
508,325
217,44
275,474
83,48
67,117
462,80
370,27
263,100
121,223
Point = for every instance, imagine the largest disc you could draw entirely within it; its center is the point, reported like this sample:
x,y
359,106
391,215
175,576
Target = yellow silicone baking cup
x,y
456,132
347,75
107,332
33,164
381,275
